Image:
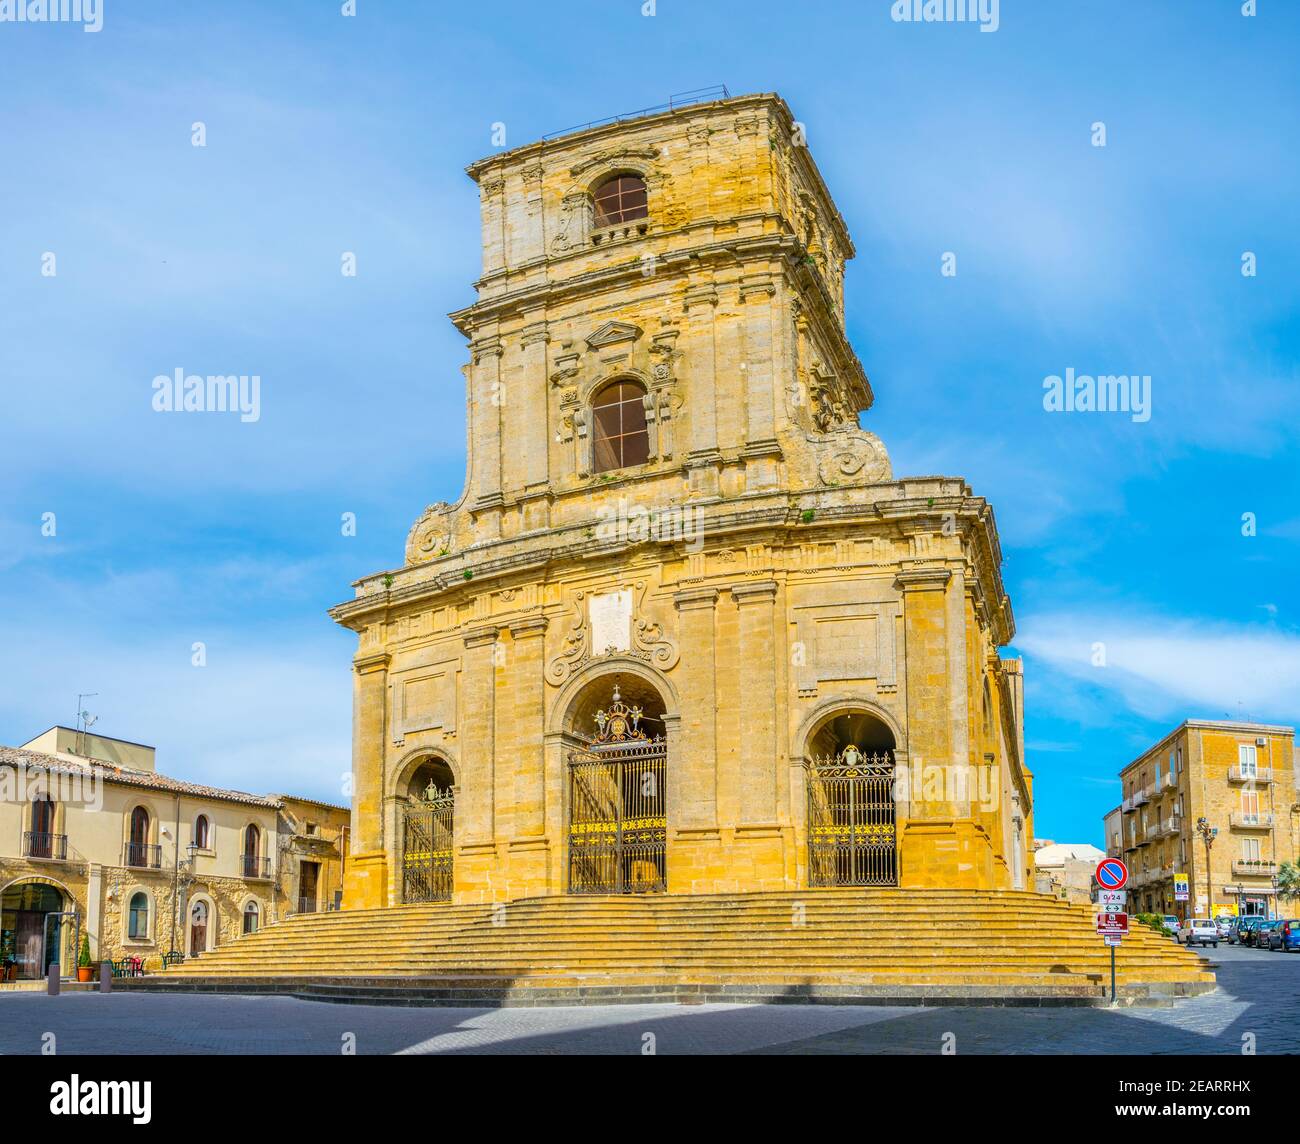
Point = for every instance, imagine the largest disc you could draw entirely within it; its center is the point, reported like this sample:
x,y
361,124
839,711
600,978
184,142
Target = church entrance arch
x,y
616,766
428,834
852,837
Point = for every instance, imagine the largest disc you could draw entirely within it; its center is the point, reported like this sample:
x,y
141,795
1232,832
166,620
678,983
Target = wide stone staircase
x,y
843,946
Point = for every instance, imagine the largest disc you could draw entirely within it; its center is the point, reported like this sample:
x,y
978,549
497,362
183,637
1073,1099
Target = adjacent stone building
x,y
682,630
1232,780
94,840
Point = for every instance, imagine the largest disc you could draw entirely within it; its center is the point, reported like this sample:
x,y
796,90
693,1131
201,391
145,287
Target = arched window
x,y
41,842
137,851
137,925
251,914
620,438
252,848
203,832
621,199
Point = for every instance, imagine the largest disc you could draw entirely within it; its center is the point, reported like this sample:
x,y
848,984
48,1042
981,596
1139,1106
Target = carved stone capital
x,y
754,592
529,627
692,599
481,637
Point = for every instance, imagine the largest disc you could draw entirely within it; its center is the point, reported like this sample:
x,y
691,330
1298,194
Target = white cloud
x,y
1183,669
270,716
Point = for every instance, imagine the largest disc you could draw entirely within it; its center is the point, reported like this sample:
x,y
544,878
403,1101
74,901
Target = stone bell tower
x,y
668,489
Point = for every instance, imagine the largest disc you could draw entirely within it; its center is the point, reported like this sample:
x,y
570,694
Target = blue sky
x,y
328,133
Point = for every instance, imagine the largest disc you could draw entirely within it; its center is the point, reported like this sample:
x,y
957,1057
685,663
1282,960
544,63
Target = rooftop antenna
x,y
85,720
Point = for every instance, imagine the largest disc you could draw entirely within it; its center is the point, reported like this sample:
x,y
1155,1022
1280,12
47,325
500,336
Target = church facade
x,y
683,631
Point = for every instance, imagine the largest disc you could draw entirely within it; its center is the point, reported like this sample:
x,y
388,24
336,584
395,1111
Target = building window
x,y
621,199
250,917
1250,803
203,832
252,848
620,438
1250,849
1247,759
137,849
1159,774
137,925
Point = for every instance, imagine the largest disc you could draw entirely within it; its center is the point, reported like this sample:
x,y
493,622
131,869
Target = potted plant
x,y
85,971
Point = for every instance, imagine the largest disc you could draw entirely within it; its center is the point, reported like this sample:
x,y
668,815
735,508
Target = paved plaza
x,y
1258,997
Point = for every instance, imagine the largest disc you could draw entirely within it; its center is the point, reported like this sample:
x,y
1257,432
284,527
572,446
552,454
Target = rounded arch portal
x,y
849,749
616,731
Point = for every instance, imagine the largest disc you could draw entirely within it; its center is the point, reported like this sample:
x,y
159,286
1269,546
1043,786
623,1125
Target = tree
x,y
1288,880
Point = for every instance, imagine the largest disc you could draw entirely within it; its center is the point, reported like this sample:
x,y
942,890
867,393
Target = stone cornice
x,y
910,504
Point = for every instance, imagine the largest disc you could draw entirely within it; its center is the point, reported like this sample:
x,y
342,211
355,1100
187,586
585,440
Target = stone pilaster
x,y
485,397
757,759
366,883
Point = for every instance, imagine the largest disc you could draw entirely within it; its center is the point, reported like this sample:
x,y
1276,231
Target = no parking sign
x,y
1112,874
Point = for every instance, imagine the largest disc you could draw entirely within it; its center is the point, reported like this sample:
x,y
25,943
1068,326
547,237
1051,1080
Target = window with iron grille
x,y
620,438
620,199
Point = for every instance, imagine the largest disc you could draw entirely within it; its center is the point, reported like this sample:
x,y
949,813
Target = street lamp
x,y
1209,833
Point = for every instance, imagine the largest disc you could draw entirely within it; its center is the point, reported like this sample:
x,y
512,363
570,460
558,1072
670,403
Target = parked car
x,y
1285,936
1198,931
1263,932
1224,924
1171,923
1246,930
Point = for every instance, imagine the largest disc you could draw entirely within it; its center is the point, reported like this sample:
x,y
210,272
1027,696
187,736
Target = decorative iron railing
x,y
618,824
142,855
851,820
255,867
428,837
51,846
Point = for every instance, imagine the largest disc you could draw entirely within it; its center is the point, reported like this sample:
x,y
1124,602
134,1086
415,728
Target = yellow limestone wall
x,y
789,577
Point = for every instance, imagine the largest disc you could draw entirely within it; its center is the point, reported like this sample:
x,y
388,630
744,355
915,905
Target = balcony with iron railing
x,y
1254,866
1242,821
1258,775
1167,782
1141,797
1170,826
255,867
306,906
142,856
45,847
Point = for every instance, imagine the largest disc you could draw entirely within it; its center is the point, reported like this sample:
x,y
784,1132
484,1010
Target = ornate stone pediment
x,y
430,536
612,333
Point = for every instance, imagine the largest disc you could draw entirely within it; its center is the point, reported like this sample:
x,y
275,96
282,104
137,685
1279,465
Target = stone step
x,y
889,939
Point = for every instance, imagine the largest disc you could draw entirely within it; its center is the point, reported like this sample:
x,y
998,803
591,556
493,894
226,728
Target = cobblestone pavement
x,y
1258,996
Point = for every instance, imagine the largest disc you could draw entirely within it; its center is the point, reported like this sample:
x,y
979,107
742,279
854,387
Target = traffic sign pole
x,y
1112,877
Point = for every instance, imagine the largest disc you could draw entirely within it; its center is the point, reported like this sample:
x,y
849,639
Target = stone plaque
x,y
611,621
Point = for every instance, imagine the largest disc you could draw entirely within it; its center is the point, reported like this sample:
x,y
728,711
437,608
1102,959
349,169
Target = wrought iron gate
x,y
427,834
851,835
618,825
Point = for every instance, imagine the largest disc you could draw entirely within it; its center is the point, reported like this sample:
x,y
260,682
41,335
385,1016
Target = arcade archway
x,y
616,766
428,818
852,835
